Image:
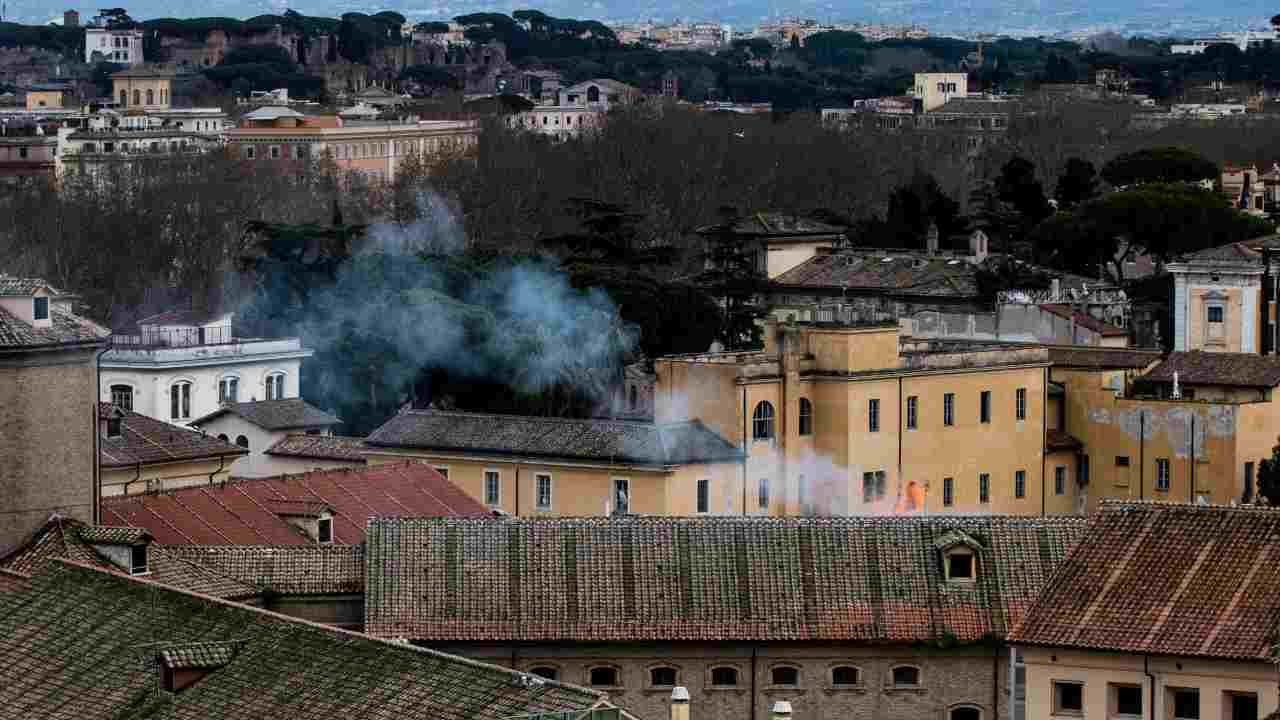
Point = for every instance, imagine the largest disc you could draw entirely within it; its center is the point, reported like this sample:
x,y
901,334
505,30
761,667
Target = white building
x,y
933,90
578,108
257,426
183,365
123,47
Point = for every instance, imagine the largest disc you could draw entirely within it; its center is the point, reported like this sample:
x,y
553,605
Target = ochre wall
x,y
171,476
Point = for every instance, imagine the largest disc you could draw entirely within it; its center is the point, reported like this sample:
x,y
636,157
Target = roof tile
x,y
147,440
288,414
1215,368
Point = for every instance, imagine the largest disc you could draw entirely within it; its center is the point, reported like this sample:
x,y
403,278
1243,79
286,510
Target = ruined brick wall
x,y
973,677
47,426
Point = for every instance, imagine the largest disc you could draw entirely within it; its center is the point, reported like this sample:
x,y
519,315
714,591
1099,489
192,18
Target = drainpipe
x,y
754,650
517,512
1191,490
745,450
995,682
1151,679
95,512
1142,454
137,475
1044,441
222,463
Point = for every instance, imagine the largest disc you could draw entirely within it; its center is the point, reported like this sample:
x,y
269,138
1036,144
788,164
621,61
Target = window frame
x,y
702,498
1174,692
711,677
650,680
984,488
1020,404
1113,701
873,415
1019,484
625,484
948,491
951,711
785,667
915,685
762,420
762,494
275,377
1122,461
225,382
38,302
136,568
117,390
1059,708
537,491
858,677
321,524
180,400
984,407
591,670
1162,475
873,491
948,409
493,499
913,412
555,671
806,417
1059,480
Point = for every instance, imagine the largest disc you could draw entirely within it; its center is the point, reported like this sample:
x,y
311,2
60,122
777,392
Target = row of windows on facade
x,y
1126,701
180,394
762,418
154,146
725,676
873,486
138,95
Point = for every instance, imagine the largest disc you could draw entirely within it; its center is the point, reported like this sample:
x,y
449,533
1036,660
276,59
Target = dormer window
x,y
40,308
324,530
138,560
959,555
960,565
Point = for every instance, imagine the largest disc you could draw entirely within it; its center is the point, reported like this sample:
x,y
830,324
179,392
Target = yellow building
x,y
144,87
1220,303
1161,611
837,420
138,454
49,96
566,467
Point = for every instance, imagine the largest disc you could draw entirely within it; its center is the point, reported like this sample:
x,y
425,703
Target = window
x,y
275,386
844,675
764,494
1020,484
492,488
806,417
604,677
228,390
1215,313
242,441
1127,700
180,401
662,676
785,675
984,488
724,677
906,676
22,153
1241,706
250,152
965,713
873,415
443,470
949,409
631,398
549,673
621,496
1162,474
223,437
872,486
137,97
1020,404
762,422
151,96
1186,703
913,405
122,397
543,491
1068,698
704,495
1082,470
275,152
1122,461
948,490
324,530
1248,482
114,426
138,560
40,308
1060,480
984,406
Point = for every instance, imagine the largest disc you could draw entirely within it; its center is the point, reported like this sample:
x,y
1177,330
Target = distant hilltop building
x,y
123,47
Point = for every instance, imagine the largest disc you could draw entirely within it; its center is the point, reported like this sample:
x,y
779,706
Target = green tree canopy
x,y
1159,165
1077,184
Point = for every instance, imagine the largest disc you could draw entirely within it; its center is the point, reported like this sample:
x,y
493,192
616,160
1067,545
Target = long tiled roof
x,y
1213,368
24,286
1084,320
1078,356
319,447
288,414
1166,579
238,512
288,570
145,440
617,441
69,539
64,329
775,224
84,644
11,581
666,579
906,272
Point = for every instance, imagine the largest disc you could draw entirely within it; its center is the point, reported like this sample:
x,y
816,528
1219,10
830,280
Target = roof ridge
x,y
1127,505
540,418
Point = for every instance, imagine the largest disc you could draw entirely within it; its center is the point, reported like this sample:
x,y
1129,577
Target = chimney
x,y
680,703
781,711
931,239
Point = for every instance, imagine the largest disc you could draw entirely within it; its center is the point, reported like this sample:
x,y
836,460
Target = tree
x,y
917,205
1268,478
1077,184
1159,165
735,280
1011,205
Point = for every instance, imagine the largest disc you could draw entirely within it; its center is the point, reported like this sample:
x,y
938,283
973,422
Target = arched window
x,y
543,671
242,441
844,675
593,94
124,98
151,96
906,676
806,417
785,675
724,677
223,437
604,677
965,712
122,397
180,400
229,390
275,386
137,97
662,676
762,422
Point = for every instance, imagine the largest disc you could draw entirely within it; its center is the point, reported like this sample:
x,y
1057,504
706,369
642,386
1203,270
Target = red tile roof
x,y
11,581
1059,440
287,570
241,512
868,579
1085,320
1165,579
1198,367
319,447
145,440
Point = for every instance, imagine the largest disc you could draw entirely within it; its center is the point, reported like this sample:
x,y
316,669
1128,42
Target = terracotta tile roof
x,y
775,224
1085,320
64,329
147,440
11,581
68,539
1166,579
238,512
289,414
666,579
1237,253
1213,368
287,570
203,655
25,286
905,272
1059,440
615,441
84,644
1078,356
319,447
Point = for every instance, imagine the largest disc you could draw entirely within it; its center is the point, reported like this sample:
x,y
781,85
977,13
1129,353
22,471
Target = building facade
x,y
138,454
258,425
143,87
122,47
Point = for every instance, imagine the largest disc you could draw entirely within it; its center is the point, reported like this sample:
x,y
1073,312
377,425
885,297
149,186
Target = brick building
x,y
889,618
47,410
